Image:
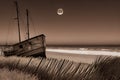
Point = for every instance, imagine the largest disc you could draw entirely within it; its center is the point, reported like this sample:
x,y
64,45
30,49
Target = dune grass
x,y
44,69
6,74
104,68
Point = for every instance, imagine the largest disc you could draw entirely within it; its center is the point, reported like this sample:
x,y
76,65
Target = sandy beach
x,y
72,57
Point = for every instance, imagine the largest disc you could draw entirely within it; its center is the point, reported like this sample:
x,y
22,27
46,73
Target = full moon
x,y
60,11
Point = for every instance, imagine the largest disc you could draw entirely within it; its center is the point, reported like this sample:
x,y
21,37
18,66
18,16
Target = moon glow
x,y
60,11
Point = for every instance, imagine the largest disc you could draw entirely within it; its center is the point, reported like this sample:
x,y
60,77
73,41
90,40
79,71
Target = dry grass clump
x,y
44,69
107,68
5,74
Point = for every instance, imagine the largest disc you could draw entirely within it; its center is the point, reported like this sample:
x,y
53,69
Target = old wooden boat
x,y
35,46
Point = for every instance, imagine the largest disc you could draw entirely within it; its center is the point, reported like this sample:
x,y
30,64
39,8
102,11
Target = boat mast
x,y
17,10
28,33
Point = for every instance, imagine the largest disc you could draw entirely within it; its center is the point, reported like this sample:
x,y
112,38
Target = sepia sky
x,y
84,22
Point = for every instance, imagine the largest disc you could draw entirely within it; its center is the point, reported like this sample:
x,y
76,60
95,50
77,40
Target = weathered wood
x,y
31,47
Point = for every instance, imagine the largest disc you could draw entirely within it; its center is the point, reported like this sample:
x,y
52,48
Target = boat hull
x,y
34,47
